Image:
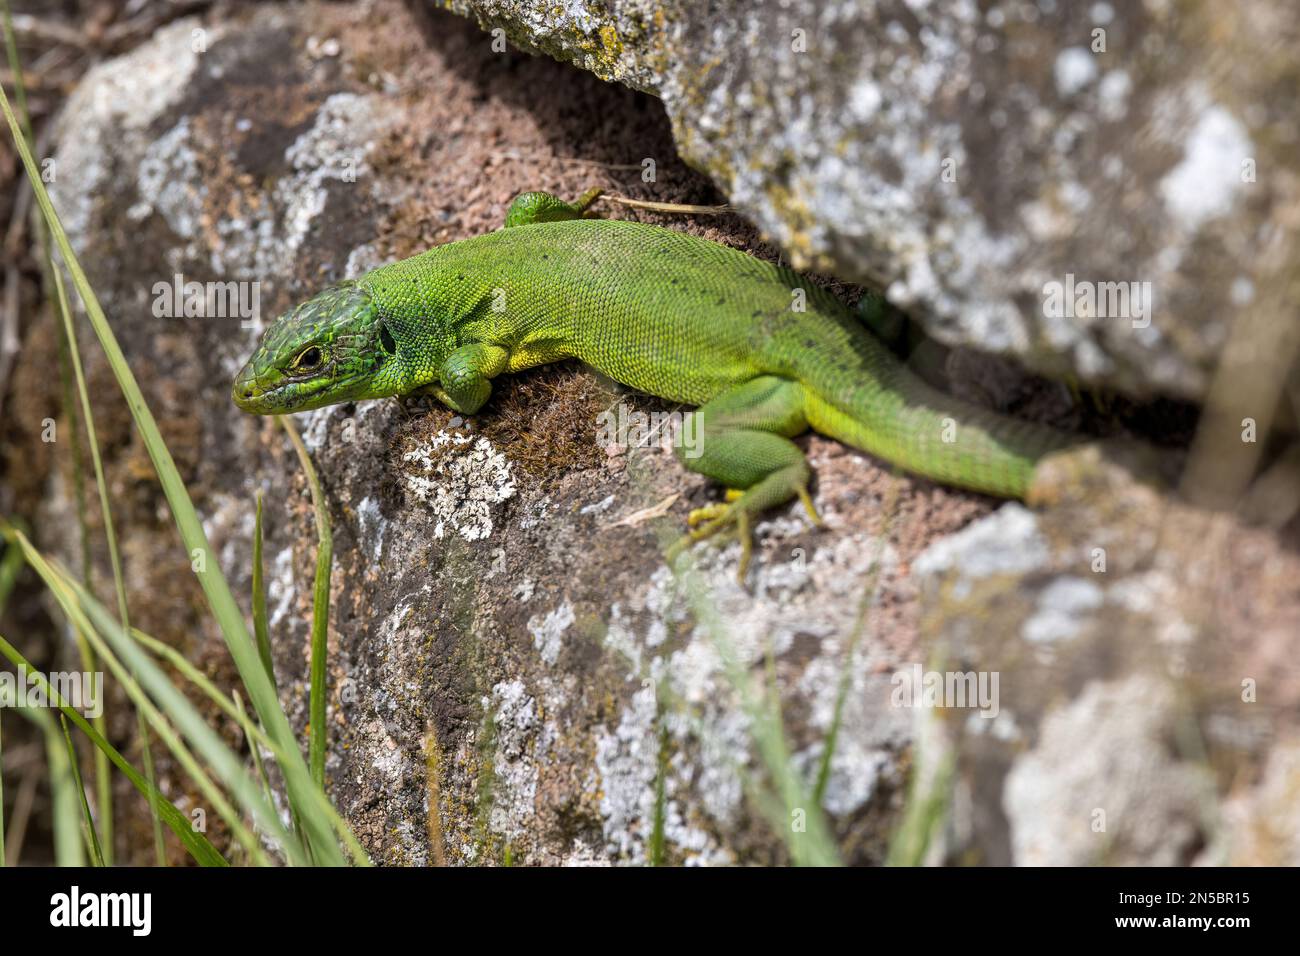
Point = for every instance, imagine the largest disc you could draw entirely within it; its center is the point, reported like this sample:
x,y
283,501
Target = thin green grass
x,y
119,585
253,741
784,800
87,614
320,609
66,815
194,842
433,794
658,850
261,625
11,563
485,798
890,511
256,736
925,810
88,819
298,780
47,262
68,357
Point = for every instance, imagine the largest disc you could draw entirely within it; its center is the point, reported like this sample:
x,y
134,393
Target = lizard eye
x,y
308,359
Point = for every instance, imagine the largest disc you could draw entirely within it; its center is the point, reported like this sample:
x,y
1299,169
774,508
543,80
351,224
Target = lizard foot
x,y
713,519
714,511
741,511
716,518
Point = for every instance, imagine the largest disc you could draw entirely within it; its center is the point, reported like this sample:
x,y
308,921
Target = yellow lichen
x,y
609,37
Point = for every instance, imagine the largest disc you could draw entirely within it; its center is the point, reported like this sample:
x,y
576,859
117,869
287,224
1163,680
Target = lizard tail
x,y
897,416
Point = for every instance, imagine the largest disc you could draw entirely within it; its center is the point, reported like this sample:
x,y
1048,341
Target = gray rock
x,y
501,591
1103,786
1121,633
524,620
997,169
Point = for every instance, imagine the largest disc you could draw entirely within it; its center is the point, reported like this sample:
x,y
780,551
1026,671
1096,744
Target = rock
x,y
1263,828
1103,788
1122,635
506,636
1097,189
499,594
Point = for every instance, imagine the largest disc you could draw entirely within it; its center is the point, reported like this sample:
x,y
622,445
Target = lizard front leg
x,y
464,378
531,208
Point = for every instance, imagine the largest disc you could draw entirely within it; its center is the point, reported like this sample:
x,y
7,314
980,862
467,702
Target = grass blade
x,y
657,850
83,609
254,741
65,804
255,734
104,785
88,820
15,67
433,794
216,589
11,562
203,852
320,608
261,626
812,844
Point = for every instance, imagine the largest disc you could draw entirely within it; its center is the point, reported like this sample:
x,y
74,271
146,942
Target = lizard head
x,y
335,347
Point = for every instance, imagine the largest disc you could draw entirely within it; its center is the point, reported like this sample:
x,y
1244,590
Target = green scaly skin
x,y
666,313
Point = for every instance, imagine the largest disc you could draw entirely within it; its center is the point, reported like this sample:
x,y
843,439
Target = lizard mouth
x,y
293,395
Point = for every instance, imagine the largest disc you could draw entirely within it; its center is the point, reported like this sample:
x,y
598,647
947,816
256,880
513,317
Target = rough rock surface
x,y
505,634
500,598
966,156
1142,648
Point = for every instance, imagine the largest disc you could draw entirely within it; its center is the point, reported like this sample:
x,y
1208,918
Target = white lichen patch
x,y
265,241
372,524
120,97
461,486
1062,611
514,763
169,183
548,631
711,735
388,760
280,587
1006,542
1205,181
627,761
1103,785
871,732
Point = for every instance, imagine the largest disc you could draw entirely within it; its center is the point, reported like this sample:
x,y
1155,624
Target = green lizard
x,y
764,353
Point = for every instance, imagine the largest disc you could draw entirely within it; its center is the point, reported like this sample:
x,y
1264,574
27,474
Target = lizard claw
x,y
711,520
707,513
736,511
809,507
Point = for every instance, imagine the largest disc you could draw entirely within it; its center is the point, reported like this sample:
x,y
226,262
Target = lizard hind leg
x,y
744,442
